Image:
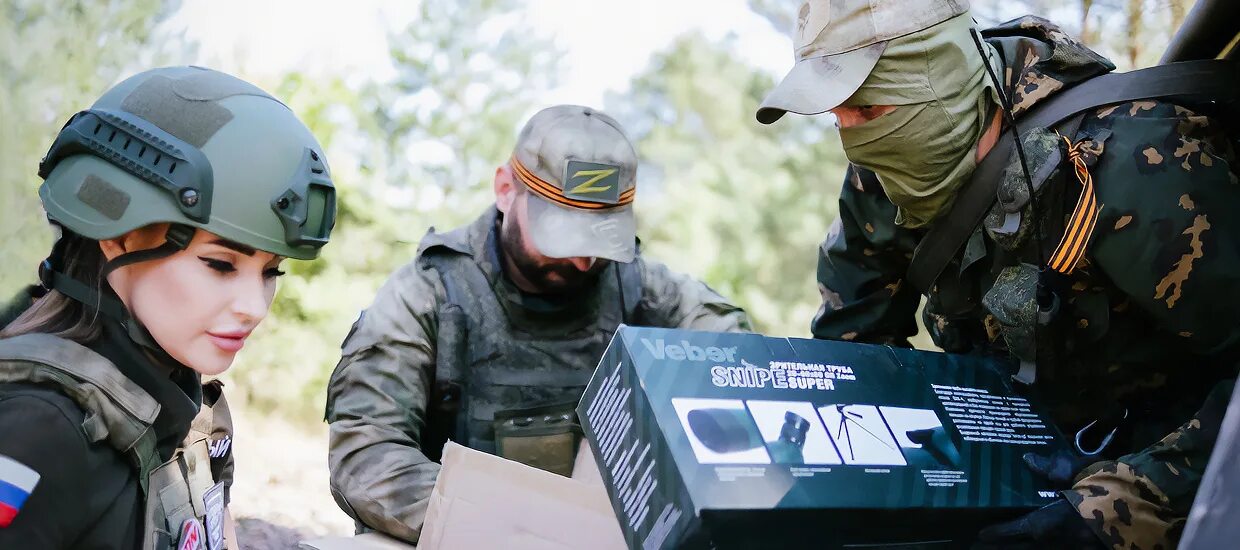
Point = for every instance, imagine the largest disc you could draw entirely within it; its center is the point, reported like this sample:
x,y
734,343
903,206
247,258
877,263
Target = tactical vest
x,y
121,413
521,378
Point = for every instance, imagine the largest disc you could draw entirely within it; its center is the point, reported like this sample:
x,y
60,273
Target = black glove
x,y
1056,525
1060,467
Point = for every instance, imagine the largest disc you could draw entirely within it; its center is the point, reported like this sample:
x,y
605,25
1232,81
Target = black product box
x,y
746,441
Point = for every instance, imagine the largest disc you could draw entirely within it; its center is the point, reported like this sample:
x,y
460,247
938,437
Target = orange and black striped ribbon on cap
x,y
554,194
1081,226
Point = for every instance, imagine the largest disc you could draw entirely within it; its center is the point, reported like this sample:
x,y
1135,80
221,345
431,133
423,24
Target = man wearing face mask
x,y
489,337
1109,288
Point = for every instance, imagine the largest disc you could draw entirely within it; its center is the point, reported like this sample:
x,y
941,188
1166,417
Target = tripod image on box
x,y
861,435
848,422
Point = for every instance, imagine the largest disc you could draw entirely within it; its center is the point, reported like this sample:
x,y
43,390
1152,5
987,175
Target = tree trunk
x,y
1085,37
1134,31
1178,8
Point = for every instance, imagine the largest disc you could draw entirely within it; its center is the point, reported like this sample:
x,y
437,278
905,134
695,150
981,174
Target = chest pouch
x,y
1012,301
545,437
1010,220
176,491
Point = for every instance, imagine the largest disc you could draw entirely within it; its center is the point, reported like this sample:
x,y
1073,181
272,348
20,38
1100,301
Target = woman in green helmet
x,y
176,196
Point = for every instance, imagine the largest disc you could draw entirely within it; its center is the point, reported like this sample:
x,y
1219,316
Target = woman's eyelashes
x,y
225,267
218,265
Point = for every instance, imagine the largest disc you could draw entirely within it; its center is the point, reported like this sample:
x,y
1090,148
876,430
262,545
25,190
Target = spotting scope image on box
x,y
745,441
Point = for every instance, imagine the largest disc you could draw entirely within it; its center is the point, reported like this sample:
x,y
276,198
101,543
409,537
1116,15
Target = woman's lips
x,y
231,342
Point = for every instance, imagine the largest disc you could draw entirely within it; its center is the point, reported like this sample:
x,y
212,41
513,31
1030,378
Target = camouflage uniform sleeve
x,y
1168,236
861,269
376,407
1141,501
676,300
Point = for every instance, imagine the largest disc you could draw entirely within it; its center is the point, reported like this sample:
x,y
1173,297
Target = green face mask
x,y
926,148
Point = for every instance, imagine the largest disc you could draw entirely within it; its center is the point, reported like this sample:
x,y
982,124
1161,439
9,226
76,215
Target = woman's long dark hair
x,y
57,314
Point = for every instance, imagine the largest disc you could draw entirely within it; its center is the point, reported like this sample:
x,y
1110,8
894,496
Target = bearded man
x,y
489,337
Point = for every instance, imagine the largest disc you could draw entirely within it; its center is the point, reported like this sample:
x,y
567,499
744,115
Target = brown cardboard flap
x,y
585,469
484,501
366,541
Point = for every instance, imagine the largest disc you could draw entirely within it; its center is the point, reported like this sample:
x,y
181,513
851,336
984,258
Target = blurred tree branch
x,y
1134,27
468,73
741,204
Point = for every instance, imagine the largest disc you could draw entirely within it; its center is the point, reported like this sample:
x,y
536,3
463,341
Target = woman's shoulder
x,y
52,419
57,478
44,429
75,370
22,402
29,400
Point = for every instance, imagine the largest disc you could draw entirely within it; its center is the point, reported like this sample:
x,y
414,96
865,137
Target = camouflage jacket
x,y
377,397
1146,316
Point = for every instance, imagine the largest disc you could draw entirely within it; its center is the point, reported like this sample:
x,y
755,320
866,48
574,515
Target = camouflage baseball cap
x,y
837,44
581,170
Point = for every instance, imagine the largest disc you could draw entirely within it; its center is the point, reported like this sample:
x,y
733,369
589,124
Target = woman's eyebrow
x,y
243,249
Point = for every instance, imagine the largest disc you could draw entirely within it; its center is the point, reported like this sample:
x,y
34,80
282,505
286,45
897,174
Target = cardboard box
x,y
746,441
364,541
484,501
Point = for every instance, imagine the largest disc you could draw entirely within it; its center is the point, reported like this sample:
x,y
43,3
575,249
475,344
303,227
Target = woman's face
x,y
201,303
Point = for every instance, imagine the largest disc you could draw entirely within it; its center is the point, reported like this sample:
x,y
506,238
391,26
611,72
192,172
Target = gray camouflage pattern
x,y
377,396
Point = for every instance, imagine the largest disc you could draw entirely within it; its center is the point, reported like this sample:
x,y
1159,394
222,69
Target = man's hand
x,y
1056,525
1060,467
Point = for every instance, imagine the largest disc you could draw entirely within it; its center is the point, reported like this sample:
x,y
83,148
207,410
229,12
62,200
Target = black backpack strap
x,y
629,281
445,419
1207,80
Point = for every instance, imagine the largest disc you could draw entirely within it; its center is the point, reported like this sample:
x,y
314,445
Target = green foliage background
x,y
742,206
56,58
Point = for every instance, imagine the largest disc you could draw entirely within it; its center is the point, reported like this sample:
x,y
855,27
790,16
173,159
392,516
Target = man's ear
x,y
505,188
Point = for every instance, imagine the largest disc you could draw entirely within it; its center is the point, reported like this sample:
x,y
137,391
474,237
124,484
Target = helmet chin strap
x,y
176,239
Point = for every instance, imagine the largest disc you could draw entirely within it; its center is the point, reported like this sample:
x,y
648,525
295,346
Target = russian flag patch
x,y
17,481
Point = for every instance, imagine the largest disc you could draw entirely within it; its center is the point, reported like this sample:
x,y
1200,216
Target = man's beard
x,y
557,276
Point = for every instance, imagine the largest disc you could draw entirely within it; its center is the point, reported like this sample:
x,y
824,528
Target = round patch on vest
x,y
193,536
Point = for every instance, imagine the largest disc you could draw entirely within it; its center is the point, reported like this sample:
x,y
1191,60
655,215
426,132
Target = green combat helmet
x,y
194,148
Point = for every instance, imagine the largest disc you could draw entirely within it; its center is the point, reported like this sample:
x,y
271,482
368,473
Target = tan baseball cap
x,y
581,171
837,44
